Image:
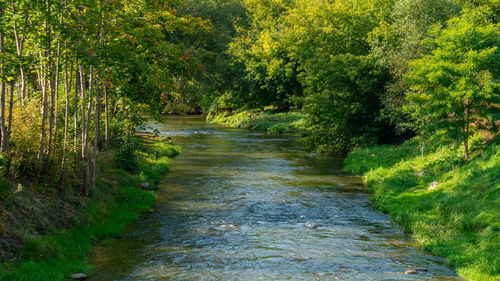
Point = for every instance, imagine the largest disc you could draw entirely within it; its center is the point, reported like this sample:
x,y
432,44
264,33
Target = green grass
x,y
460,219
256,119
62,252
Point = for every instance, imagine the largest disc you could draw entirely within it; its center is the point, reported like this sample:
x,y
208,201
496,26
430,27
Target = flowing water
x,y
241,205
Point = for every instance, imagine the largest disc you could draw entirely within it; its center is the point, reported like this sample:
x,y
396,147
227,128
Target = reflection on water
x,y
242,205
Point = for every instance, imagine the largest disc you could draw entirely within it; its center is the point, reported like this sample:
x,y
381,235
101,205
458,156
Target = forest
x,y
399,86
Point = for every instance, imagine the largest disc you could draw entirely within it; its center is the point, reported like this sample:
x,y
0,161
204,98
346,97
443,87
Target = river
x,y
243,205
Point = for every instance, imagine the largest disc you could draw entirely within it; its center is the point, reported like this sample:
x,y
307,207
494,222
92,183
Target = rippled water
x,y
242,205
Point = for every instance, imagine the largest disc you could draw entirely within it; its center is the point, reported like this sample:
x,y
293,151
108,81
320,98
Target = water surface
x,y
241,205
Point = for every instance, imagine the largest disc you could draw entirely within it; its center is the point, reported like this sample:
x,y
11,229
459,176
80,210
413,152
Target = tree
x,y
397,41
457,88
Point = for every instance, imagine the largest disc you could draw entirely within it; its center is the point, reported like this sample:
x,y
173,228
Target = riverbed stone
x,y
79,276
421,269
411,271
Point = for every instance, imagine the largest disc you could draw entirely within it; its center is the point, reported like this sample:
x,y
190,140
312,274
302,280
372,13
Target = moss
x,y
62,252
460,219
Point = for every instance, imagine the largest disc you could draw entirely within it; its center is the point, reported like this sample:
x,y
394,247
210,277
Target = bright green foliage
x,y
342,109
457,87
264,55
397,40
460,219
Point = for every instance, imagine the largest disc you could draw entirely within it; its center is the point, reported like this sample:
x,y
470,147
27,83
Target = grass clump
x,y
118,200
459,219
261,120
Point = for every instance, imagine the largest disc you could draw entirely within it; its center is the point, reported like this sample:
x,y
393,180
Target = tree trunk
x,y
67,92
43,85
467,132
106,107
97,114
3,129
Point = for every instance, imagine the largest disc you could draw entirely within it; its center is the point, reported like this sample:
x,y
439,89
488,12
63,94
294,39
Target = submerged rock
x,y
421,269
79,276
411,271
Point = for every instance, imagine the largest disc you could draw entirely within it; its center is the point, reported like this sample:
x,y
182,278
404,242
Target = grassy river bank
x,y
451,206
120,197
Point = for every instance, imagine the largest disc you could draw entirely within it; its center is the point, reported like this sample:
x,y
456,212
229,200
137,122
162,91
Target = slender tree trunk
x,y
21,93
11,105
3,129
106,108
97,114
83,151
87,161
67,92
43,85
467,131
76,106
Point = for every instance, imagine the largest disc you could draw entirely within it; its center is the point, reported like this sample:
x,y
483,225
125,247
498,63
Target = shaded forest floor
x,y
451,206
48,235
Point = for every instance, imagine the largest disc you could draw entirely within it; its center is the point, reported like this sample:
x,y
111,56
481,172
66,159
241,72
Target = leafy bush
x,y
125,158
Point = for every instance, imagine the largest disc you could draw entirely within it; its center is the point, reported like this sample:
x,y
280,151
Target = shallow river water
x,y
241,205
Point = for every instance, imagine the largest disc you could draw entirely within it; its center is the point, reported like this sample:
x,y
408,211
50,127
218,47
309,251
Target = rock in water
x,y
79,276
421,269
433,185
411,271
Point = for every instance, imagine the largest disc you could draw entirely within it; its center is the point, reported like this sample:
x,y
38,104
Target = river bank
x,y
260,120
61,247
450,206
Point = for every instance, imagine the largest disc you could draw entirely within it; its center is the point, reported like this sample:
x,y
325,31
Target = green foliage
x,y
398,40
459,219
456,87
125,158
343,107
